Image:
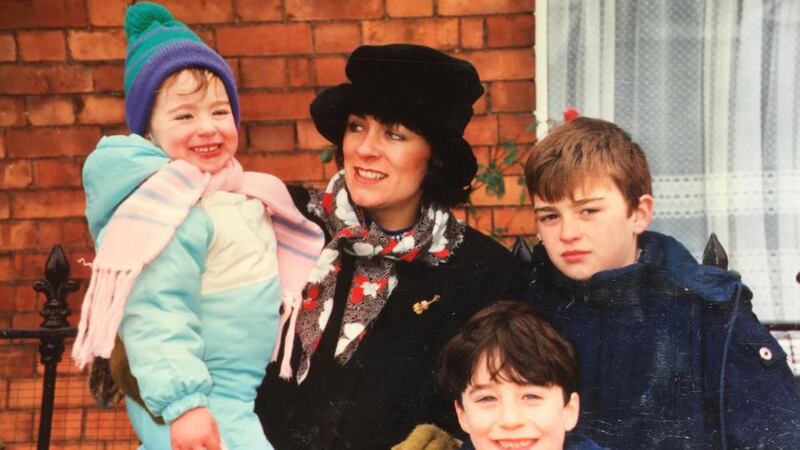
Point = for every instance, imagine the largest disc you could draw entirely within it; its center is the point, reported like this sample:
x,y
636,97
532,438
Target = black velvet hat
x,y
424,89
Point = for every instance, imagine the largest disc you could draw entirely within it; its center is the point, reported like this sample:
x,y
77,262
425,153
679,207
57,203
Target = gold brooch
x,y
422,306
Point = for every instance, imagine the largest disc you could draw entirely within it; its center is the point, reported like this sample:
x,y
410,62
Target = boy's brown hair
x,y
519,346
582,149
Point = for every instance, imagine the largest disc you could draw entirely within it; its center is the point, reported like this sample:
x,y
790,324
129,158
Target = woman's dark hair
x,y
519,346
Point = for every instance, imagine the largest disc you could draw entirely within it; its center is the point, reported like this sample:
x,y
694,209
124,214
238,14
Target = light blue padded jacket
x,y
200,323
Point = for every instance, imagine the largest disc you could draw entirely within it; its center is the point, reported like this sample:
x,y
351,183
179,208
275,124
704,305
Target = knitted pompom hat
x,y
158,46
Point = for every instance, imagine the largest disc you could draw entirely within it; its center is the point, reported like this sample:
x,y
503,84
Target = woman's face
x,y
384,166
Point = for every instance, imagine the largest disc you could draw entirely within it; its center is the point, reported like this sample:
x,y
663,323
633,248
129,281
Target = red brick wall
x,y
61,89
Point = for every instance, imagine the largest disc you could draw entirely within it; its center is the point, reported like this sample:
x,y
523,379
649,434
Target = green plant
x,y
506,157
327,155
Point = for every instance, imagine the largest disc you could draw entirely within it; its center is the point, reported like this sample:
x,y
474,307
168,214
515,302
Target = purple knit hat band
x,y
164,62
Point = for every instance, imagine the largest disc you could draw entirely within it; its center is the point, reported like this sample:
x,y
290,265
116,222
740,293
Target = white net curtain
x,y
711,90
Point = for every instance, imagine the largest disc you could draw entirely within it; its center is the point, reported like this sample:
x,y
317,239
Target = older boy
x,y
671,353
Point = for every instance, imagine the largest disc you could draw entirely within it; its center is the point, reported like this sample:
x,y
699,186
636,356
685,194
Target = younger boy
x,y
190,270
671,353
514,381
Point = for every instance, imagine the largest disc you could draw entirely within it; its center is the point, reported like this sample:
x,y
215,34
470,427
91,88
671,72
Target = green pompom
x,y
140,16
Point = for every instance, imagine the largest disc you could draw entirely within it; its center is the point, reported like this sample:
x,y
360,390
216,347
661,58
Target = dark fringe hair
x,y
519,345
580,151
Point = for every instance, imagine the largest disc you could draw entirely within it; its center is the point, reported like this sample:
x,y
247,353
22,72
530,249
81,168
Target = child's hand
x,y
195,429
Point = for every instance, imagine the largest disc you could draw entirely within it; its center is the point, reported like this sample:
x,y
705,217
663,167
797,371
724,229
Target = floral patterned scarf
x,y
431,240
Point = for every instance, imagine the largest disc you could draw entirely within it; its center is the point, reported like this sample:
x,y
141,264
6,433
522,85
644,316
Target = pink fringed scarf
x,y
145,223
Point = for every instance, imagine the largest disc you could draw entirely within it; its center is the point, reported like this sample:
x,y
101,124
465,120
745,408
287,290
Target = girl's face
x,y
194,125
384,166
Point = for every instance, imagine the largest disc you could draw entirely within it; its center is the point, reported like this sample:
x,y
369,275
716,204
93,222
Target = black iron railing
x,y
55,328
714,255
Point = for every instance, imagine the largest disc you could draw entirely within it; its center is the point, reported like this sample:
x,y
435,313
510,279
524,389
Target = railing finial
x,y
714,254
56,285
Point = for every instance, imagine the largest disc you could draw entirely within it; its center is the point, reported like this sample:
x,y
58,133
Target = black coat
x,y
388,386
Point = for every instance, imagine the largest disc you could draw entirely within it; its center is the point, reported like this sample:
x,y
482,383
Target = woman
x,y
399,274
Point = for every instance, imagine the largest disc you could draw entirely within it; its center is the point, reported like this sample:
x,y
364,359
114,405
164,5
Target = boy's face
x,y
594,231
499,414
196,126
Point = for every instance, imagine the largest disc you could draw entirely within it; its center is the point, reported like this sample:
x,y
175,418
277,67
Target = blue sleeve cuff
x,y
183,404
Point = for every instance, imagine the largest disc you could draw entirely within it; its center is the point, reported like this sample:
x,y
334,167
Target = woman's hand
x,y
195,429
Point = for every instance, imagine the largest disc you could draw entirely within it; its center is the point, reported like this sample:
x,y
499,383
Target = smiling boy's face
x,y
500,414
194,123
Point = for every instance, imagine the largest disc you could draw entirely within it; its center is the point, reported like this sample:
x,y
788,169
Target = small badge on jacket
x,y
422,306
